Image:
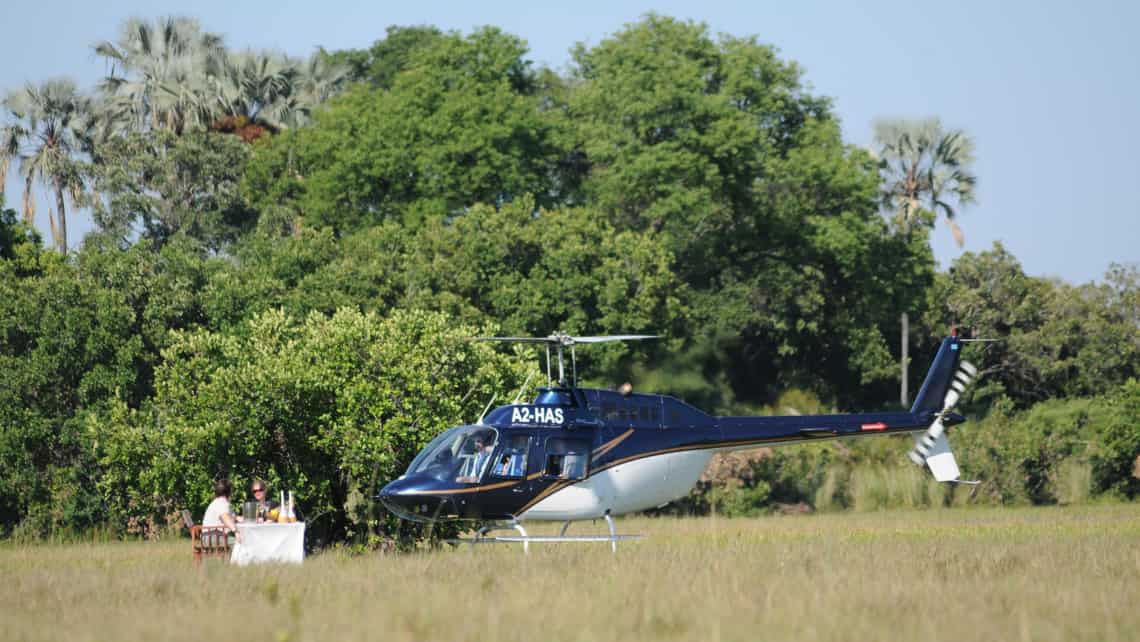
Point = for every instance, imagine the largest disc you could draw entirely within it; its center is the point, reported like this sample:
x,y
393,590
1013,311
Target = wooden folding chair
x,y
207,541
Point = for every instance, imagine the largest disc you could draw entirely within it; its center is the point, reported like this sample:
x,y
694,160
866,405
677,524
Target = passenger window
x,y
567,458
511,462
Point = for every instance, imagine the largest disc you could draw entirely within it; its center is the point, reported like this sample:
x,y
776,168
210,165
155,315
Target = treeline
x,y
289,254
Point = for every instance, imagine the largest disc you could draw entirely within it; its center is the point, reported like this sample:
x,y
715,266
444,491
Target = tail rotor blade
x,y
924,443
962,378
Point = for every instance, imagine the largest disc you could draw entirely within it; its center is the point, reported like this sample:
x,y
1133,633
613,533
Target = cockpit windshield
x,y
461,454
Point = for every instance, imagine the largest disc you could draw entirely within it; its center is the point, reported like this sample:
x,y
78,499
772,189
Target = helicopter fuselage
x,y
581,453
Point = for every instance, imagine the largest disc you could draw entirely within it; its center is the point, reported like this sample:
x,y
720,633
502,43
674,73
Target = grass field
x,y
957,574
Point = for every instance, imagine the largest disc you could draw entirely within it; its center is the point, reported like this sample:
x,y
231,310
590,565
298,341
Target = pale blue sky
x,y
1050,90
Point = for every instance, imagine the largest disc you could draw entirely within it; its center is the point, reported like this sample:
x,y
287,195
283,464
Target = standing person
x,y
218,512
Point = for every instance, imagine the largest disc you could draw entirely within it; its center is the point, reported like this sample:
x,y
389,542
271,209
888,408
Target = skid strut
x,y
481,536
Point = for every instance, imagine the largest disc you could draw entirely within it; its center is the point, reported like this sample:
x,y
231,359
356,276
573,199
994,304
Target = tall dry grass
x,y
881,487
1068,573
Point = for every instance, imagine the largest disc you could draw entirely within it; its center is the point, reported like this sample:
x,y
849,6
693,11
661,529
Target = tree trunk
x,y
61,240
903,396
29,204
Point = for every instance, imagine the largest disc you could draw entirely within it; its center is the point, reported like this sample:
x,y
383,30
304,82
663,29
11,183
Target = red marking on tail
x,y
878,425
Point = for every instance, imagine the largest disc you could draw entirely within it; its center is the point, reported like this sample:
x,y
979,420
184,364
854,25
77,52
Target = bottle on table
x,y
282,511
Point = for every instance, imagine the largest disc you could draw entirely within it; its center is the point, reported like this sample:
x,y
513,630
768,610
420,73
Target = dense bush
x,y
329,407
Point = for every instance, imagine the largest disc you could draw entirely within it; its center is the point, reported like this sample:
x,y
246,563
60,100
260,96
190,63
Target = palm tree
x,y
926,173
49,129
168,74
257,88
925,167
157,70
269,91
319,80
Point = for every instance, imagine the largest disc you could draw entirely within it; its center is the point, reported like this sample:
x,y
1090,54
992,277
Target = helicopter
x,y
577,453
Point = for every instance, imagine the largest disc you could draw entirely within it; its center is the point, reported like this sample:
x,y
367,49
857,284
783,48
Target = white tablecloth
x,y
269,543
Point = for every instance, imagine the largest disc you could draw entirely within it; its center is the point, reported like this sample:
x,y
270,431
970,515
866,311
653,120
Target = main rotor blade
x,y
615,337
566,339
518,339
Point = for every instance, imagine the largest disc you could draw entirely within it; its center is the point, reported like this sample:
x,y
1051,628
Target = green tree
x,y
462,124
1055,339
66,346
1116,457
926,172
379,64
540,271
160,185
716,146
19,244
49,132
165,289
677,127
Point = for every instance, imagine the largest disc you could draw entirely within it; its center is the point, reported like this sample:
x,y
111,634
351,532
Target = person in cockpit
x,y
503,468
473,468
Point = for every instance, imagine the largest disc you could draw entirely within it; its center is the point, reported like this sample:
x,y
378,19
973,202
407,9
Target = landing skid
x,y
481,536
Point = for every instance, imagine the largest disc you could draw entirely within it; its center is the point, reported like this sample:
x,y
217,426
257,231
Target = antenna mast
x,y
561,340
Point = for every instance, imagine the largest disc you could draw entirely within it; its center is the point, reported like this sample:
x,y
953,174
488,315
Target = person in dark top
x,y
260,492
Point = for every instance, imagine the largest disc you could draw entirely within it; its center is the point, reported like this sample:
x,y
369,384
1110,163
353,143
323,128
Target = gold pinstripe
x,y
609,445
556,486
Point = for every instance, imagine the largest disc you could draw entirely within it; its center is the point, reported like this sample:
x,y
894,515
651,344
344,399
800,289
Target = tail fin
x,y
932,395
944,384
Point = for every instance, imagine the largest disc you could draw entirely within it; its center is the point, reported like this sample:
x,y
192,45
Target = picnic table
x,y
269,542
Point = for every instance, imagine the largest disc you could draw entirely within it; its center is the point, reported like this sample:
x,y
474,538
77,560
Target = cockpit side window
x,y
475,455
567,458
511,460
462,454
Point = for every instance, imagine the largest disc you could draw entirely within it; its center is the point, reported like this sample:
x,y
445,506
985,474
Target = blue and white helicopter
x,y
582,453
